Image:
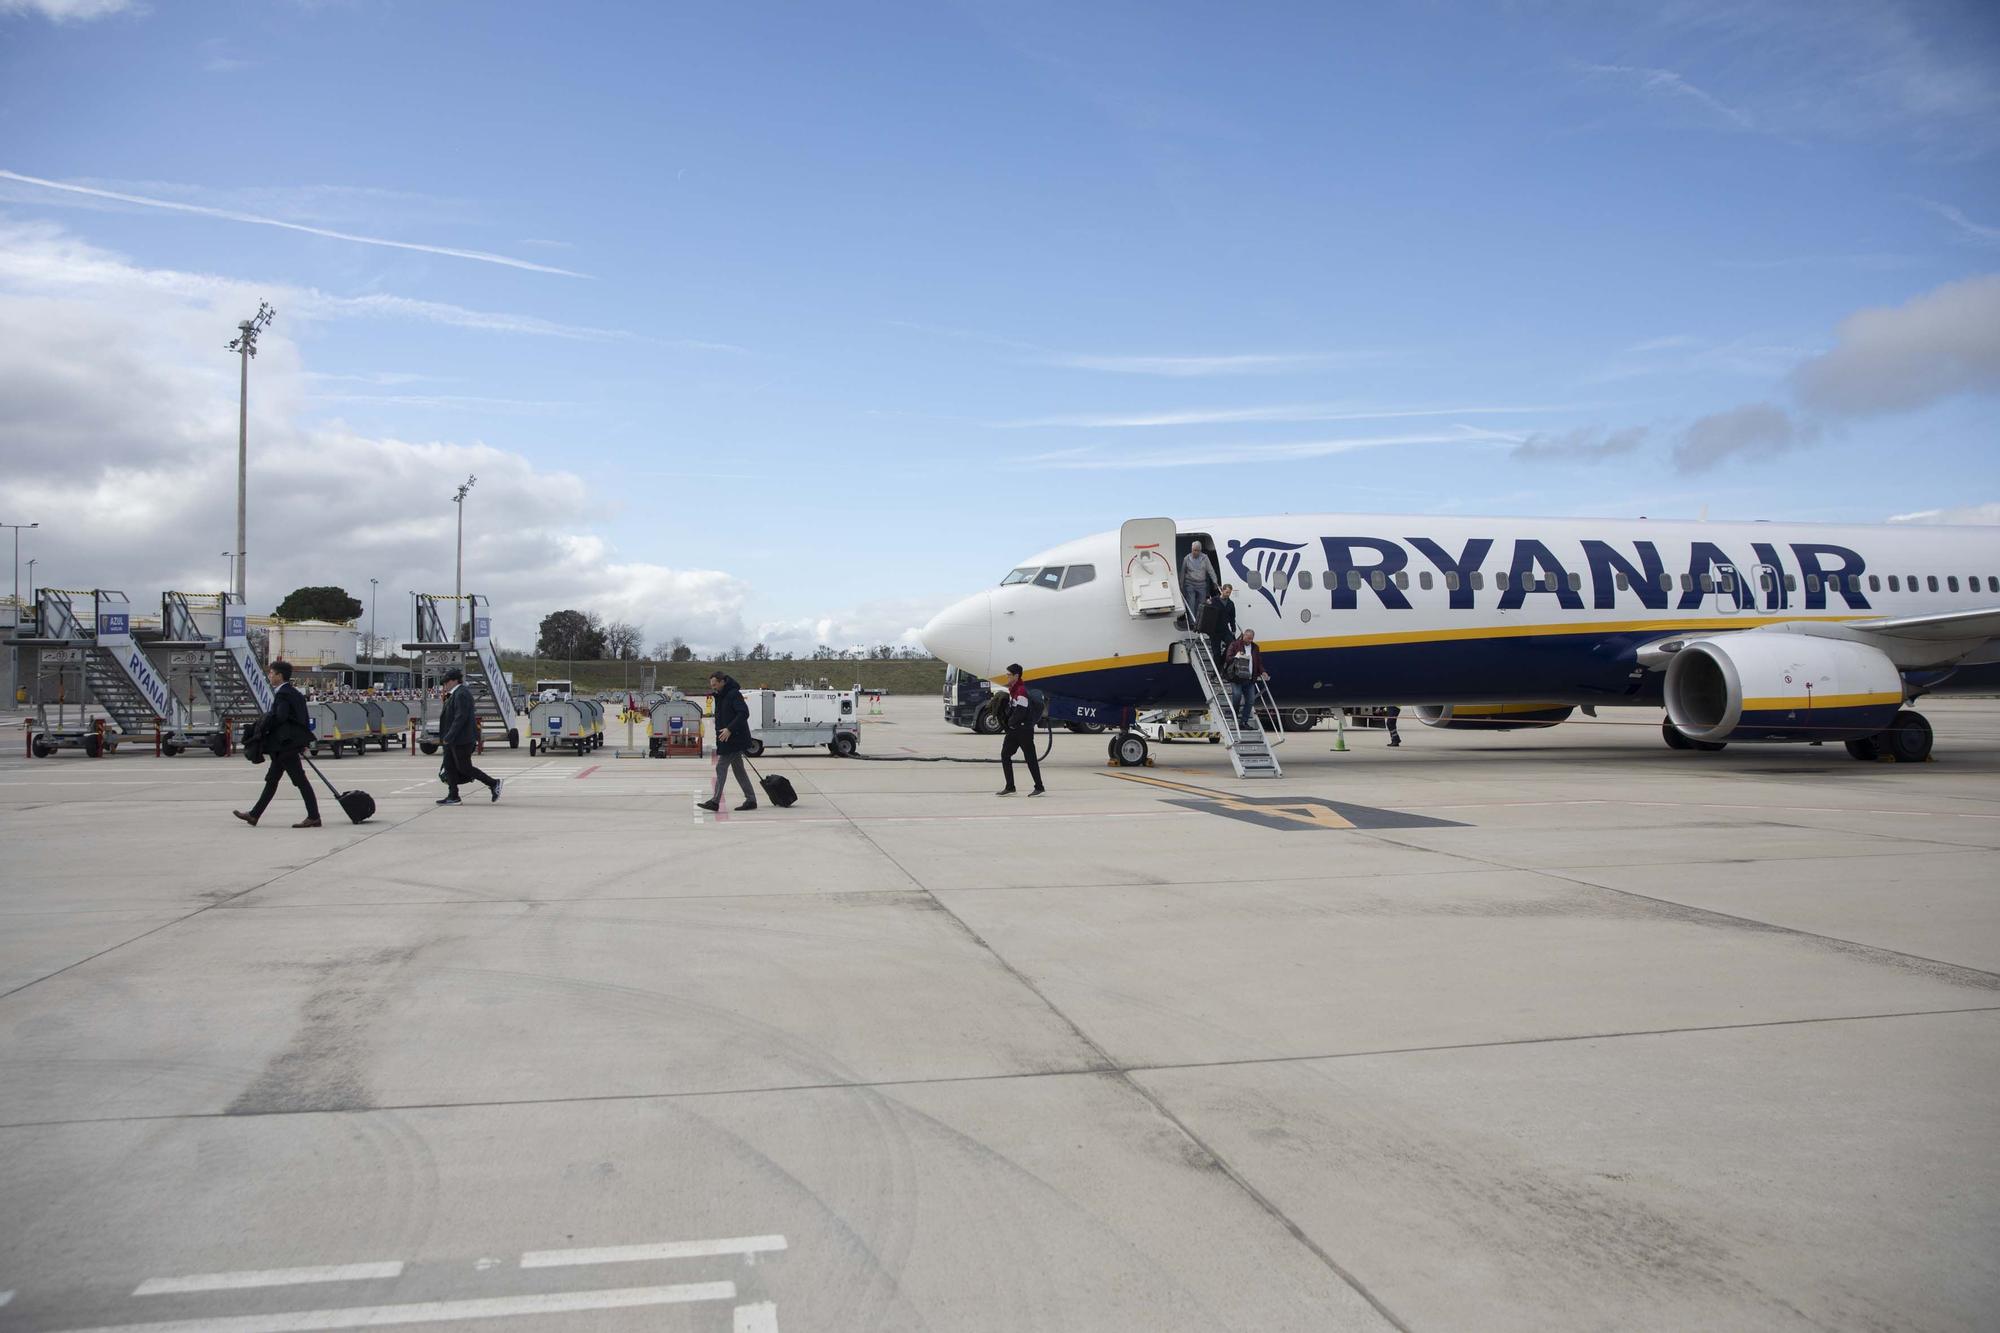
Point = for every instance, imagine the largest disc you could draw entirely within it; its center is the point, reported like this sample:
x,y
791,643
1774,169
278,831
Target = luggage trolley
x,y
674,728
560,724
338,727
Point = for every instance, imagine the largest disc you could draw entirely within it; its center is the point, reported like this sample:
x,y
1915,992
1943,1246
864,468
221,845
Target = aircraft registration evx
x,y
1769,632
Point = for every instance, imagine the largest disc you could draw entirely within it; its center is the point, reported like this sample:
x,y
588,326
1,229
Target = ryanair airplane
x,y
1742,631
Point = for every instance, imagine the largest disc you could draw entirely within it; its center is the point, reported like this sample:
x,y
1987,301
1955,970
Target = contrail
x,y
232,216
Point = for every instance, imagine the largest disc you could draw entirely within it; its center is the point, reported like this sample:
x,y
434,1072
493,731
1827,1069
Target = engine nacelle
x,y
1492,717
1781,687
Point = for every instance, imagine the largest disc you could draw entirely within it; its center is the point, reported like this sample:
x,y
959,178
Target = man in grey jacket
x,y
1198,579
458,732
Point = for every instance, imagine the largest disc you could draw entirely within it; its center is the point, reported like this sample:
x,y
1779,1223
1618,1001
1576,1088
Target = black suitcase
x,y
358,806
778,787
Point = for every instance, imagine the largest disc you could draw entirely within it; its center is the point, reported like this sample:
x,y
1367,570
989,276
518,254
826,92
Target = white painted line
x,y
433,1312
268,1277
6,1296
762,1317
672,1249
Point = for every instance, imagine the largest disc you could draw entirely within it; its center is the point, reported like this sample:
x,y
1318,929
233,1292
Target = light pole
x,y
31,585
245,345
458,579
373,648
17,563
230,582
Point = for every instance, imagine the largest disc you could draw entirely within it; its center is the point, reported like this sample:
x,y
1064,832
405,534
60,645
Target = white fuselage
x,y
1387,609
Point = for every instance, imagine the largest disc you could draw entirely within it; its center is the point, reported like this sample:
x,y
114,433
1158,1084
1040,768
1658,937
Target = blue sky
x,y
856,304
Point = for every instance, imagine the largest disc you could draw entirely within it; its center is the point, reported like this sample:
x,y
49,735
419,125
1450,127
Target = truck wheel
x,y
171,750
532,746
513,738
93,746
986,724
843,746
756,750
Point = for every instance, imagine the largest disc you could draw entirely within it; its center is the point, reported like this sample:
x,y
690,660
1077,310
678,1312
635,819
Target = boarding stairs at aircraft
x,y
470,648
124,683
1248,743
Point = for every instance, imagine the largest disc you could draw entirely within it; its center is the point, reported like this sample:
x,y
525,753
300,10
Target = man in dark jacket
x,y
283,734
732,741
1020,733
458,732
1218,620
1243,668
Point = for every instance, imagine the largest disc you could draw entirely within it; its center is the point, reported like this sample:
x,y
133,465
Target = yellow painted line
x,y
1302,813
1788,702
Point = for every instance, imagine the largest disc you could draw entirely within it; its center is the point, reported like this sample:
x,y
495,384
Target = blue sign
x,y
555,724
482,628
116,622
674,723
238,626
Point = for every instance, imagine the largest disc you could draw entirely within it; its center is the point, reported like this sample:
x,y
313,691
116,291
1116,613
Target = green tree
x,y
319,604
571,635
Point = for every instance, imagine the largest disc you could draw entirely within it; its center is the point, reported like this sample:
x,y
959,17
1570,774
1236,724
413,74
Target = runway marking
x,y
268,1277
672,1249
760,1317
432,1312
1288,812
586,772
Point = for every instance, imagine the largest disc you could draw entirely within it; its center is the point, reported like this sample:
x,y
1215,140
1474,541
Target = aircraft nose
x,y
962,634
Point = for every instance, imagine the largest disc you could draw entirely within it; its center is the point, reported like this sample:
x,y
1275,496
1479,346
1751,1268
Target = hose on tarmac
x,y
1048,747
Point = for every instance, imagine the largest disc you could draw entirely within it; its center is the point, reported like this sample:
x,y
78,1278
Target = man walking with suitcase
x,y
284,734
458,732
732,741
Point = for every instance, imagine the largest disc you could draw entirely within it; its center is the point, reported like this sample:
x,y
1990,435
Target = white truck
x,y
798,719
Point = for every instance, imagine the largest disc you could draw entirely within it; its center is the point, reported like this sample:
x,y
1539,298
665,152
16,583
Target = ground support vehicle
x,y
800,719
338,727
674,728
561,724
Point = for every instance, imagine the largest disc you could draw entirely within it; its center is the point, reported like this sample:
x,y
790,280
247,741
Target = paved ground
x,y
1573,1032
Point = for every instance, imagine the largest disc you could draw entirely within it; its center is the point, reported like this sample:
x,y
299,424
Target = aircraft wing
x,y
1961,638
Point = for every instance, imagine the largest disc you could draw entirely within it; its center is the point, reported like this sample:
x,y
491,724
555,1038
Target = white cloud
x,y
232,215
1755,430
1970,230
1237,452
64,11
1669,83
894,621
1976,514
1242,415
1588,444
119,438
1934,346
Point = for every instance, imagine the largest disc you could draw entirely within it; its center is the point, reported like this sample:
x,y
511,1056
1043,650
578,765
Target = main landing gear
x,y
1907,741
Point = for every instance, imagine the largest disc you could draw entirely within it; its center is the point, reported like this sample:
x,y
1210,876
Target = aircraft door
x,y
1146,561
1729,592
1769,580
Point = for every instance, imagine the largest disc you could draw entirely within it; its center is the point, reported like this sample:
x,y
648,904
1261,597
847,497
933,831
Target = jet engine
x,y
1781,687
1492,717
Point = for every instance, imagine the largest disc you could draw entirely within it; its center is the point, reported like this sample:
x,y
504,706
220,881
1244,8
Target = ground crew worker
x,y
732,741
1020,733
1392,713
1197,577
458,732
283,734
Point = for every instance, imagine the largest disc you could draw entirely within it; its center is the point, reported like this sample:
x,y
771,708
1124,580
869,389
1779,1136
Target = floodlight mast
x,y
245,345
458,579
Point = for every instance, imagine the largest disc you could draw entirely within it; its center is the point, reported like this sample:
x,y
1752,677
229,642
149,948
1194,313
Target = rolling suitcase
x,y
778,787
357,805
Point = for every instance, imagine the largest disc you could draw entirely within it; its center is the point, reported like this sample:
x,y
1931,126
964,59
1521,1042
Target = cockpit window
x,y
1050,577
1079,574
1018,576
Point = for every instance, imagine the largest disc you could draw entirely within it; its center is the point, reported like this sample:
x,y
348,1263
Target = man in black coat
x,y
732,741
1021,717
283,734
458,732
1218,620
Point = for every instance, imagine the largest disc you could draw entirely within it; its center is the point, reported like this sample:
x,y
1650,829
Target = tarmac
x,y
1554,1030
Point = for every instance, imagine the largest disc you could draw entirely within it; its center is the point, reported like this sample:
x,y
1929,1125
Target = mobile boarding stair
x,y
1250,746
470,648
114,671
205,639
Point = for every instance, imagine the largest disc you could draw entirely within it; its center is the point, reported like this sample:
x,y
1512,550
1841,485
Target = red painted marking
x,y
588,771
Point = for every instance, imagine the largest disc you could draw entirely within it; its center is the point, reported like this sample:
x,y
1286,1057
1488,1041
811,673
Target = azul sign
x,y
1600,575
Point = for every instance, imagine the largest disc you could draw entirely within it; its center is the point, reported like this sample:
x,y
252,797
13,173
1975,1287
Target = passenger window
x,y
1874,583
1791,583
1576,583
1993,583
1500,578
1666,583
1932,582
1624,584
1403,580
1764,581
1050,577
1354,580
1707,583
1281,580
1687,583
1376,581
1079,574
1254,580
1951,583
1478,579
1451,580
1424,580
1306,579
1895,584
1812,583
1018,576
1914,585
